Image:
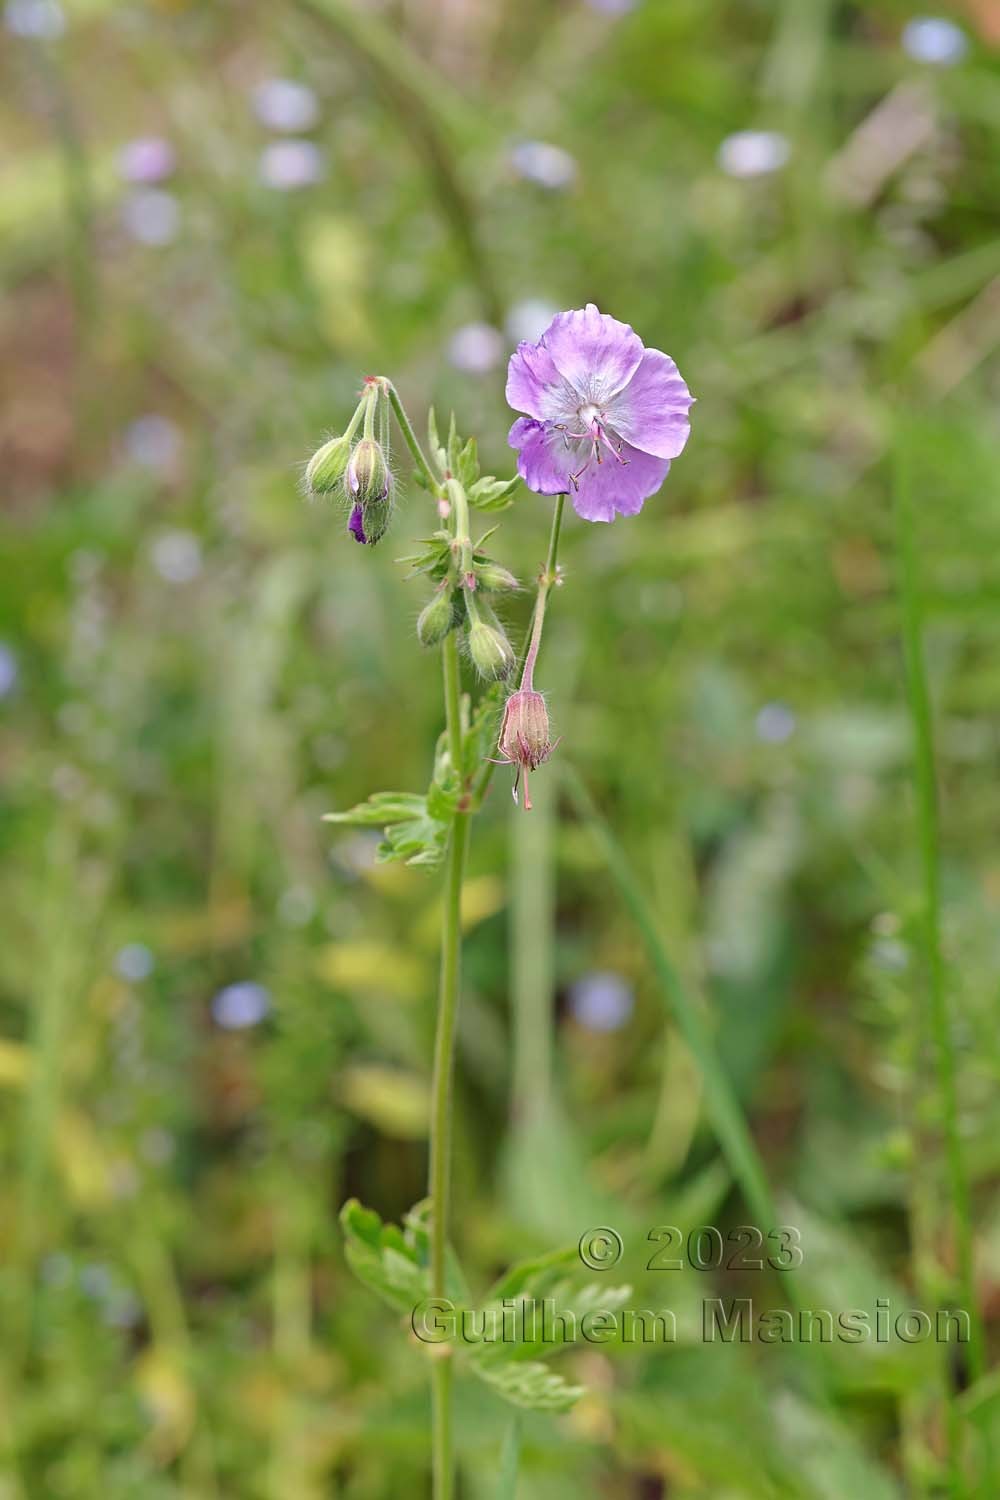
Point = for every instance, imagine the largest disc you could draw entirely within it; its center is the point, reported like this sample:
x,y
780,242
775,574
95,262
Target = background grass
x,y
197,665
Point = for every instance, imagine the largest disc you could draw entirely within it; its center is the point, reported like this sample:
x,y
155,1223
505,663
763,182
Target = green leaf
x,y
529,1385
491,494
454,446
438,453
381,809
467,468
479,740
510,1459
395,1262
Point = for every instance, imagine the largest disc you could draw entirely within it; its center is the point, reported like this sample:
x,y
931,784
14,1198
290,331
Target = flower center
x,y
593,435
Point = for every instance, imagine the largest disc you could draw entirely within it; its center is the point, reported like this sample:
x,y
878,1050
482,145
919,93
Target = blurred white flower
x,y
775,723
134,962
8,670
529,319
545,165
286,165
153,441
44,20
297,906
476,348
151,216
176,556
753,153
601,1001
241,1005
613,7
933,39
147,159
284,104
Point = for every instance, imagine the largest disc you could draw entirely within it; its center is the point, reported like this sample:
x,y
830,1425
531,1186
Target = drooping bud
x,y
493,578
524,736
437,618
491,651
325,469
368,477
368,482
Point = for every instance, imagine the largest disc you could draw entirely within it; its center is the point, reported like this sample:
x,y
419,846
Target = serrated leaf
x,y
438,453
394,1262
490,494
530,1385
454,445
381,809
467,467
480,738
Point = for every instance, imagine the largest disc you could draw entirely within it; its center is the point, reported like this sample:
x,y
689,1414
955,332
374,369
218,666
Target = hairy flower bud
x,y
493,578
325,469
437,618
368,478
524,736
491,651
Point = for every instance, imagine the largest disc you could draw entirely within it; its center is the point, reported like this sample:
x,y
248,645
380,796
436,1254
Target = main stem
x,y
444,1067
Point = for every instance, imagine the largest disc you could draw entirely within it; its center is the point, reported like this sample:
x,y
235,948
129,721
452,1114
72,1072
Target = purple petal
x,y
544,461
651,412
356,525
534,385
594,352
610,489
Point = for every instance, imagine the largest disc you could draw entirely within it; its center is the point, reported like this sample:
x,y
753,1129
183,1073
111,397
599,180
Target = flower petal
x,y
651,412
610,489
535,385
595,353
544,461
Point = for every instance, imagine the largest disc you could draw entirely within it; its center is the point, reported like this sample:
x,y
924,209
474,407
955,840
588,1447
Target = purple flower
x,y
605,415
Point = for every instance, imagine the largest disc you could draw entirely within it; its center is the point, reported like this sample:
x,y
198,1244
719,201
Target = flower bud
x,y
493,578
437,618
491,651
368,478
325,469
524,736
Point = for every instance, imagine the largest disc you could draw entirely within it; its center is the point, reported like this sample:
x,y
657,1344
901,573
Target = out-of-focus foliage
x,y
216,1011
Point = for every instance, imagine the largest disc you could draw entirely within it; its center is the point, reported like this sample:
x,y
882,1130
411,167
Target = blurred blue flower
x,y
176,556
240,1006
476,348
601,1001
613,7
8,670
284,104
151,216
753,153
545,165
153,441
528,319
43,20
134,962
287,165
775,723
147,159
935,40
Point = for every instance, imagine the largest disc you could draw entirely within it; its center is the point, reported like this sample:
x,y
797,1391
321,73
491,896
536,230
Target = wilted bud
x,y
490,649
524,736
436,619
493,578
325,469
368,477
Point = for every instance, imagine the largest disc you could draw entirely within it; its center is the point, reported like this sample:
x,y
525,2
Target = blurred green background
x,y
215,1013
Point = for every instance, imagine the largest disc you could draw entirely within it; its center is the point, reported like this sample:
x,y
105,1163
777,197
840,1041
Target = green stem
x,y
444,1068
409,436
925,788
546,582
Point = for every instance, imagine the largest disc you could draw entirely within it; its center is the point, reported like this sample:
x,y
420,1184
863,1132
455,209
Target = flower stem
x,y
409,436
545,583
444,1067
